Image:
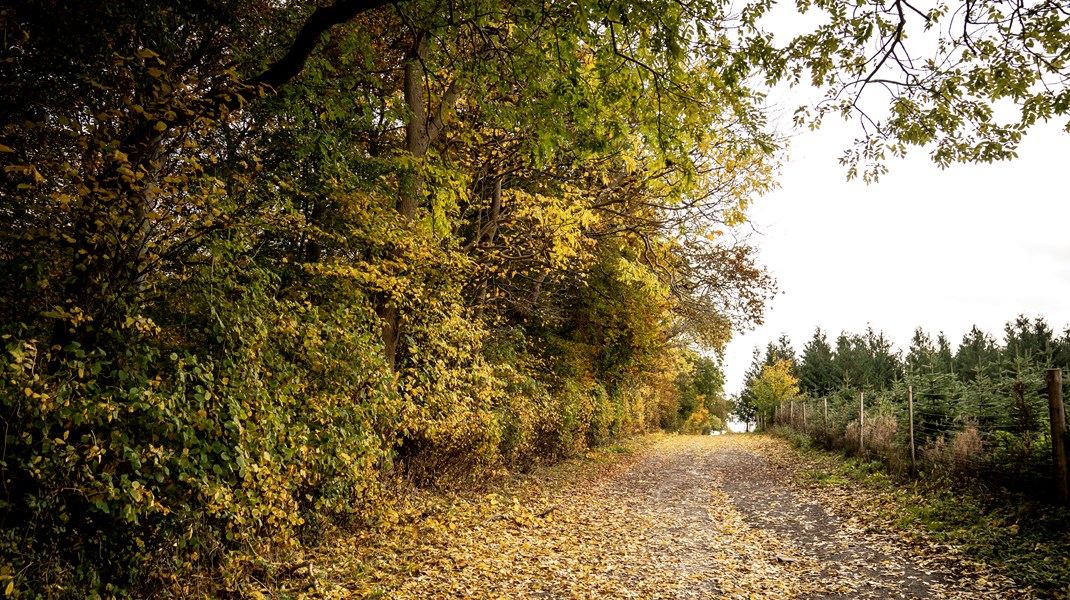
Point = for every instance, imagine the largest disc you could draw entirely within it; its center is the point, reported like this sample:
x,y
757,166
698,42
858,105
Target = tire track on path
x,y
844,560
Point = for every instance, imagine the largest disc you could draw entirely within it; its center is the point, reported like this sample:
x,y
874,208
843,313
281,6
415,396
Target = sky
x,y
940,249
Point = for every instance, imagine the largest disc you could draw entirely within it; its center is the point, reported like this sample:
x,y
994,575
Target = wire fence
x,y
999,434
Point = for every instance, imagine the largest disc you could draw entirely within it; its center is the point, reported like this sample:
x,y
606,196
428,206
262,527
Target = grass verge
x,y
1018,536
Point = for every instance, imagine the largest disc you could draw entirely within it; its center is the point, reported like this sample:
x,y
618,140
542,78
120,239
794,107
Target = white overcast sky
x,y
940,249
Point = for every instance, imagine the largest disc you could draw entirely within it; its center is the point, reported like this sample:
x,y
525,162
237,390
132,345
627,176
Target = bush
x,y
132,468
701,422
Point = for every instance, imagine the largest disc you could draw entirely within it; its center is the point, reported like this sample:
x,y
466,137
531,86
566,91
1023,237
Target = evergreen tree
x,y
781,350
745,408
883,367
1061,351
945,362
978,355
817,368
922,356
1032,341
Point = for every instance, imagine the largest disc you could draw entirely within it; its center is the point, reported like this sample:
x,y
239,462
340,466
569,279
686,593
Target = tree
x,y
942,70
1032,341
945,362
387,234
866,361
746,408
977,356
817,368
702,387
884,365
921,356
775,386
780,351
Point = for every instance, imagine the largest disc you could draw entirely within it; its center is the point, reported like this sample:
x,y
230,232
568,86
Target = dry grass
x,y
959,455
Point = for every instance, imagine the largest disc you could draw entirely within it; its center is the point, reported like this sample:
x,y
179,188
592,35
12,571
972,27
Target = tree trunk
x,y
485,237
421,130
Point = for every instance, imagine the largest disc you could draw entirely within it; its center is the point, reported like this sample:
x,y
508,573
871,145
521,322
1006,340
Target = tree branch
x,y
321,20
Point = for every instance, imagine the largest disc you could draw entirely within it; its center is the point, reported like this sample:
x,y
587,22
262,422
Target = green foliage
x,y
148,464
702,404
817,370
940,72
981,410
750,408
866,361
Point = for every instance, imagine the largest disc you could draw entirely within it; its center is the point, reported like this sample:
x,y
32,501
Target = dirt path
x,y
691,517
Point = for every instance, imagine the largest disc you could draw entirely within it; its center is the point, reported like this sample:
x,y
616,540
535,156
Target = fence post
x,y
861,422
910,408
1058,433
826,423
804,415
791,413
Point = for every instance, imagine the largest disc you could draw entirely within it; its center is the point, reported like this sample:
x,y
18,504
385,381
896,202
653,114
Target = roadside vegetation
x,y
1020,536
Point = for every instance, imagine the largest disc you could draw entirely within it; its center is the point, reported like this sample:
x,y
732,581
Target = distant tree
x,y
850,358
780,350
775,352
884,367
1061,351
978,355
745,408
1033,341
922,356
866,361
775,385
945,361
817,369
702,390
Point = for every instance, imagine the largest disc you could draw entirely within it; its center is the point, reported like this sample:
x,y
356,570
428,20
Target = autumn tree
x,y
745,407
749,407
775,386
703,405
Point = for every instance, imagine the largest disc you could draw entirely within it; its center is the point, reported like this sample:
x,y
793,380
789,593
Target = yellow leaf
x,y
4,148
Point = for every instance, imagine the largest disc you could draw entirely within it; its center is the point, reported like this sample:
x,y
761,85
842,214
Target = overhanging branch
x,y
321,20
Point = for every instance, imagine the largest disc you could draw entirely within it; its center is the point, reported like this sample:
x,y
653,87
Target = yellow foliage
x,y
775,385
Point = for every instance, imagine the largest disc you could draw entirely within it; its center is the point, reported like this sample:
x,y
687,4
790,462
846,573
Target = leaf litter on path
x,y
685,517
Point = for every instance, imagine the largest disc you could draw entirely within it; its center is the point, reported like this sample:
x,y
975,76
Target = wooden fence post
x,y
804,415
910,408
1058,433
826,413
861,422
791,413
